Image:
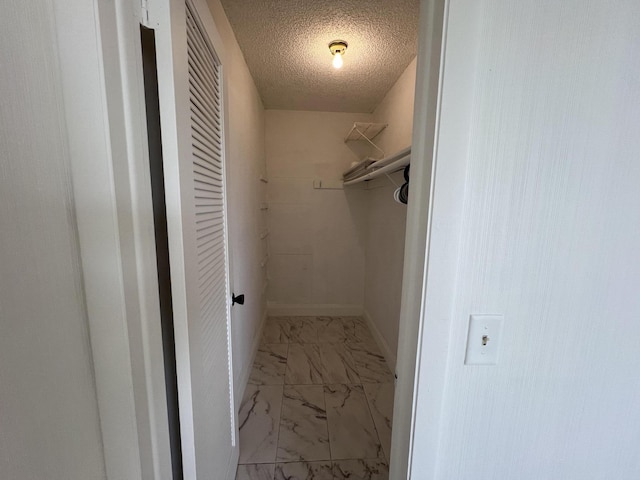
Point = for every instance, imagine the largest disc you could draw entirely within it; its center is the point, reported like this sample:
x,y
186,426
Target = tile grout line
x,y
326,414
375,427
366,396
324,384
275,459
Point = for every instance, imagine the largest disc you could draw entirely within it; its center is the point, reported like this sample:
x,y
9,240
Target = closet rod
x,y
390,168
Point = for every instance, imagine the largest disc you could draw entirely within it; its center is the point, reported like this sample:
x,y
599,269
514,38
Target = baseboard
x,y
246,372
232,466
304,310
382,343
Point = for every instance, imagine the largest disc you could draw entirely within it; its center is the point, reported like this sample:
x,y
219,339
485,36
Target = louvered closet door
x,y
199,269
211,250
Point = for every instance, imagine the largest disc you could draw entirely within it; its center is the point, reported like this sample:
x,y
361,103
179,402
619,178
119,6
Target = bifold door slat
x,y
201,117
206,140
201,80
205,167
200,48
202,103
207,65
198,90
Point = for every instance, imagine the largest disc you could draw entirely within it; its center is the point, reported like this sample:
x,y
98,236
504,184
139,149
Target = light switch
x,y
483,340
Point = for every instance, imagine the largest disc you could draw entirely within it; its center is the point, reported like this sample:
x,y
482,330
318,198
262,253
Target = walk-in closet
x,y
330,195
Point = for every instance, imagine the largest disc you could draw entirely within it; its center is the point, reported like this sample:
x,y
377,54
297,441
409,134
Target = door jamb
x,y
434,244
111,186
433,17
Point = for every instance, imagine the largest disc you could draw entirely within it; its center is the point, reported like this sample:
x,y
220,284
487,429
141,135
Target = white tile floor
x,y
318,405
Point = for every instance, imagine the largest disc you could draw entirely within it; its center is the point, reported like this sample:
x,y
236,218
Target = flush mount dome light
x,y
337,48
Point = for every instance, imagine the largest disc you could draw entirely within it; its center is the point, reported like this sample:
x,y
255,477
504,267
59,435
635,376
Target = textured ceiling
x,y
285,44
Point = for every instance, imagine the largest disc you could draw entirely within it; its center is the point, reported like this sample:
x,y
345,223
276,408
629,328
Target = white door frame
x,y
425,122
444,90
101,71
102,80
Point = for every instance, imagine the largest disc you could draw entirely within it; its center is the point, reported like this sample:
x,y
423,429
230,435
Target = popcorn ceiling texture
x,y
285,44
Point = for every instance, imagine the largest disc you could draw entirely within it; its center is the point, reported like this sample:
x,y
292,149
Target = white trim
x,y
425,122
314,310
94,189
210,26
106,138
243,380
127,98
232,465
458,71
381,341
170,36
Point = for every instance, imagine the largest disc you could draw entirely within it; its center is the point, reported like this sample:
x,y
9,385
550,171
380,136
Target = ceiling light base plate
x,y
338,46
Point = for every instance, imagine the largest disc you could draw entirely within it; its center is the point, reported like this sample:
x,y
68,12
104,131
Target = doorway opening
x,y
333,240
154,138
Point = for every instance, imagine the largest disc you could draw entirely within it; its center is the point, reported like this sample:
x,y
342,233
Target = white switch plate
x,y
483,341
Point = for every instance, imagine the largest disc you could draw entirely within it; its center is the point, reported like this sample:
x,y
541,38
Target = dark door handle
x,y
239,299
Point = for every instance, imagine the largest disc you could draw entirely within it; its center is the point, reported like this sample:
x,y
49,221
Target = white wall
x,y
384,247
549,238
316,235
49,425
396,109
246,163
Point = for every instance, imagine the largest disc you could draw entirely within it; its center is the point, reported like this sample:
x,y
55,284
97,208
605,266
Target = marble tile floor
x,y
318,405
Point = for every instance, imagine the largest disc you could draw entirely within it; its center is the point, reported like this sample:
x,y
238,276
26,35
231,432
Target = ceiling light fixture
x,y
337,48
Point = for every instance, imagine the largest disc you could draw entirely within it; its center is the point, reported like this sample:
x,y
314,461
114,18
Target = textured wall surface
x,y
286,47
246,163
396,110
49,424
551,222
316,236
386,219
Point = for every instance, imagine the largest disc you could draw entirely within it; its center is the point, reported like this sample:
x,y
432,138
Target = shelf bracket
x,y
368,140
391,180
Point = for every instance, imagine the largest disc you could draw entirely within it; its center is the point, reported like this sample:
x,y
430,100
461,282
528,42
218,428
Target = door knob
x,y
239,299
